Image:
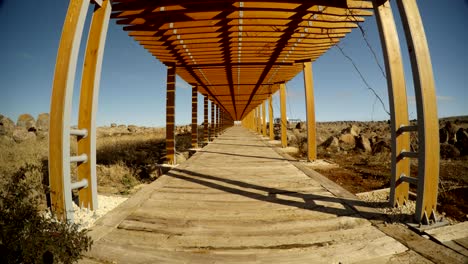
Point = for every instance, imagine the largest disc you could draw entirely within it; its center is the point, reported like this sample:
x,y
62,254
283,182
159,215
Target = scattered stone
x,y
448,151
353,130
20,134
462,141
26,121
42,123
443,135
132,129
380,146
451,130
113,125
299,125
331,142
363,143
7,126
348,140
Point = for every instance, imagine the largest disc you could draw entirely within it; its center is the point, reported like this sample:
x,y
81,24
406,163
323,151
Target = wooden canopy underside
x,y
237,52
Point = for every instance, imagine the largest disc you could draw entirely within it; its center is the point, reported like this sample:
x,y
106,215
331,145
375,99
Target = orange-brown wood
x,y
205,120
284,120
398,102
170,114
89,101
60,107
426,105
194,117
310,112
264,122
270,118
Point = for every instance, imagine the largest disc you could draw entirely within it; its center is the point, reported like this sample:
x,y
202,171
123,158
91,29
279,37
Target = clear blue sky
x,y
133,82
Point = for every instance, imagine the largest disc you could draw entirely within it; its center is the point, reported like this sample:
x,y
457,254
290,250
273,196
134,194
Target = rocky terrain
x,y
127,155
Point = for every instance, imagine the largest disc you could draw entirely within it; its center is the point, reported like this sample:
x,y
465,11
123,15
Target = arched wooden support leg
x,y
270,117
310,111
264,131
89,102
212,121
194,116
205,120
170,114
399,190
284,135
60,109
426,105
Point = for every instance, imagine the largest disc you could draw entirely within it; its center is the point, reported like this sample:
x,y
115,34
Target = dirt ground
x,y
358,171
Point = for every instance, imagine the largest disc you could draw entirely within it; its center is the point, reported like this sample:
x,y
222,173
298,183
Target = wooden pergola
x,y
237,54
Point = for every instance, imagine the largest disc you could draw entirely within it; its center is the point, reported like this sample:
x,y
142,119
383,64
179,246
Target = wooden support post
x,y
60,109
89,102
170,114
270,118
217,121
310,112
264,123
399,190
284,135
426,106
212,121
194,117
205,120
259,120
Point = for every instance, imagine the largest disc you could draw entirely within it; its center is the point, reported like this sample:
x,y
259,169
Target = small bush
x,y
26,234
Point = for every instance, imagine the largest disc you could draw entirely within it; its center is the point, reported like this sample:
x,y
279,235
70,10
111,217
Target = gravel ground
x,y
86,218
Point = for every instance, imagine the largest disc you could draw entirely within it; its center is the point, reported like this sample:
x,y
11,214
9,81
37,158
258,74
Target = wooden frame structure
x,y
238,54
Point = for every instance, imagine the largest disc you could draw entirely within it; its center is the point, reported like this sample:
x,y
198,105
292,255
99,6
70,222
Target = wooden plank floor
x,y
239,201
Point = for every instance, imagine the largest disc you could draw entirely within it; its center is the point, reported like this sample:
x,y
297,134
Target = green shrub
x,y
26,234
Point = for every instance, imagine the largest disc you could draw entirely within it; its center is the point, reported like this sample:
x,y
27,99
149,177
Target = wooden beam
x,y
264,132
89,101
284,135
194,116
212,121
426,106
270,118
170,114
399,190
310,112
60,109
205,120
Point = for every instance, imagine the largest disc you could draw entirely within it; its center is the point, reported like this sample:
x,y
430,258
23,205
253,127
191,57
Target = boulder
x,y
451,131
462,141
132,129
300,125
113,125
443,135
348,140
20,134
363,143
353,130
7,126
331,142
380,146
26,121
448,151
42,123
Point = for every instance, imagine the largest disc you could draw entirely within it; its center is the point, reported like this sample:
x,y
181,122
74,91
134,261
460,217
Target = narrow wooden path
x,y
239,201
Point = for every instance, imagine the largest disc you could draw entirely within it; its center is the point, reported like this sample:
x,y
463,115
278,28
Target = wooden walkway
x,y
239,201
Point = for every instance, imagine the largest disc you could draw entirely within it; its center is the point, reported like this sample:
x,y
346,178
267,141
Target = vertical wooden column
x,y
218,123
398,102
60,108
89,101
426,105
212,121
310,112
205,120
170,114
264,123
259,119
270,118
194,117
284,135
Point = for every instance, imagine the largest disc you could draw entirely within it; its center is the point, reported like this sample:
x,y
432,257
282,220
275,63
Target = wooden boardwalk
x,y
239,201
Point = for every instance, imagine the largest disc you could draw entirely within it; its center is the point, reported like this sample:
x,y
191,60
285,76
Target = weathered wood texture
x,y
310,112
194,117
256,208
60,108
264,122
426,106
89,102
170,114
284,119
205,120
270,118
397,100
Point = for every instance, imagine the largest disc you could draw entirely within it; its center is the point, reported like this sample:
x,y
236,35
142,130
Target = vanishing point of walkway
x,y
238,201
